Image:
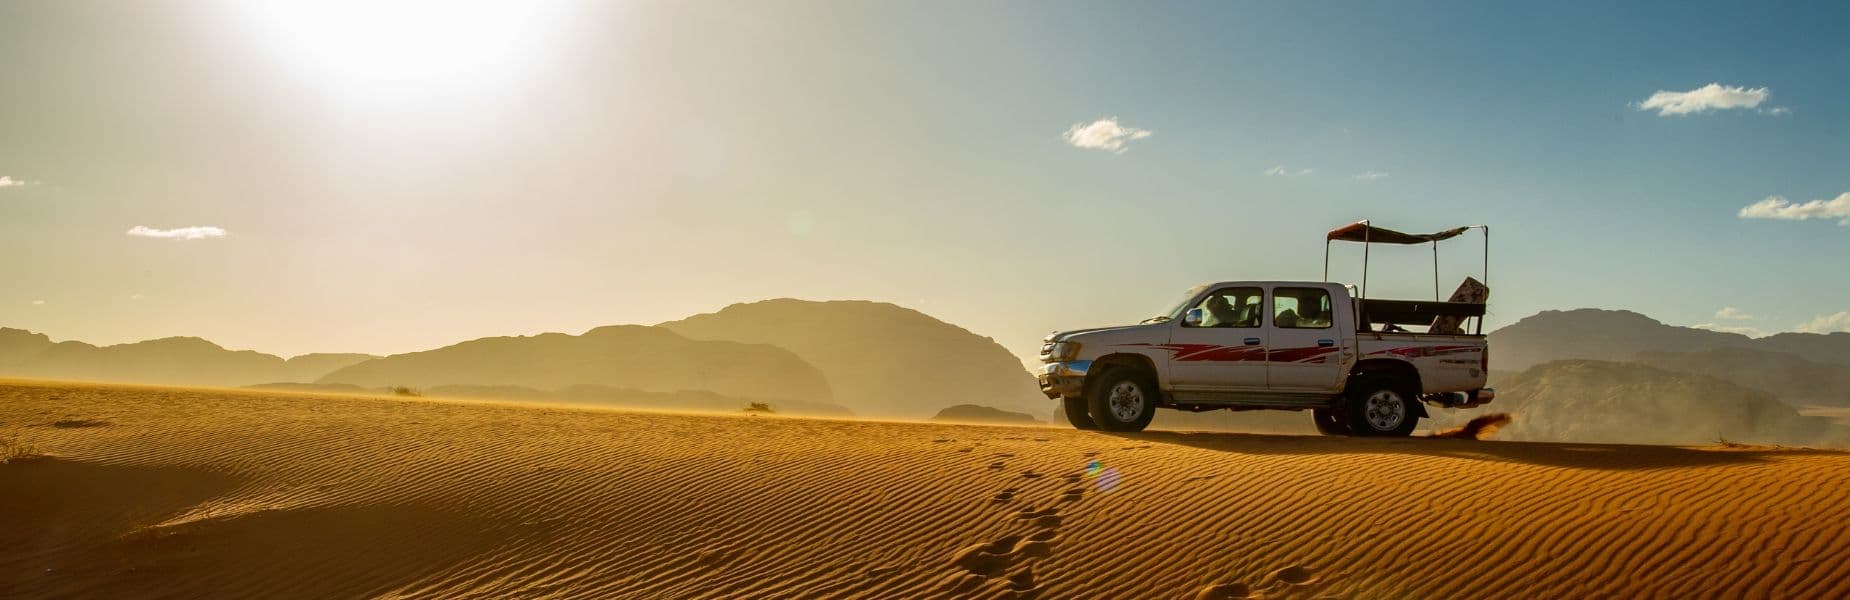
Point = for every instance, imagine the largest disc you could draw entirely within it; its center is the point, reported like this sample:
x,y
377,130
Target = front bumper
x,y
1063,379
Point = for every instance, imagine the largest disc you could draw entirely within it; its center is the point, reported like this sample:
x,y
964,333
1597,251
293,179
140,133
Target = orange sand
x,y
213,493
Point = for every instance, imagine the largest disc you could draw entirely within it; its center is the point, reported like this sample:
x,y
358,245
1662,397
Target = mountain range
x,y
1799,368
165,361
882,360
637,357
803,357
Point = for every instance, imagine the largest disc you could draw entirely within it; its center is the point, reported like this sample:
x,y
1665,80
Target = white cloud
x,y
1826,323
1775,207
1713,96
1370,175
1740,329
180,233
7,182
1777,110
1281,171
1734,314
1104,134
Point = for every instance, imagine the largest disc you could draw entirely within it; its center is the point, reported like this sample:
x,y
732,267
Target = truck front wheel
x,y
1123,400
1381,406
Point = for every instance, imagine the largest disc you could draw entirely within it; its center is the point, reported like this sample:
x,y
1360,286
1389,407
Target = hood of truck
x,y
1083,335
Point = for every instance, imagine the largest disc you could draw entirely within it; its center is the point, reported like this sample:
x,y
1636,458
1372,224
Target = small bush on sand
x,y
405,391
759,407
11,449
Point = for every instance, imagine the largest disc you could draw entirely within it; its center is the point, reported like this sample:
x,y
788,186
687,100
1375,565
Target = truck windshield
x,y
1181,303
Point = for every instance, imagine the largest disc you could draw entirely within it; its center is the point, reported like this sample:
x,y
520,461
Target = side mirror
x,y
1192,318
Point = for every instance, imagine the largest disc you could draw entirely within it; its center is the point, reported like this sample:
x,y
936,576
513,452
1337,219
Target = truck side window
x,y
1301,308
1231,308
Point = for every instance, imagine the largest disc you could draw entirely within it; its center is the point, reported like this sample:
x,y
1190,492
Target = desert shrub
x,y
405,391
759,407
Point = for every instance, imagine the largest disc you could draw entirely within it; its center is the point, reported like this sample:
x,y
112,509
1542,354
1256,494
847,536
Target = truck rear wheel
x,y
1381,406
1075,409
1123,400
1329,421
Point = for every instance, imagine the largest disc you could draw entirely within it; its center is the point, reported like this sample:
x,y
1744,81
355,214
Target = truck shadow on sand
x,y
1555,454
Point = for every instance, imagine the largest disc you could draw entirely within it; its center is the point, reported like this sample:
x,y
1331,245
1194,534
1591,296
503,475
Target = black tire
x,y
1375,401
1330,421
1122,400
1075,409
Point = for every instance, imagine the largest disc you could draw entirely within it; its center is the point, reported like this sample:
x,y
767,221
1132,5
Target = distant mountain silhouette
x,y
166,361
638,357
972,413
1829,347
1613,402
310,367
1786,376
1596,334
882,360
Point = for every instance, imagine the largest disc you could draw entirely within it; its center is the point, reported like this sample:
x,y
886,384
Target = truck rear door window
x,y
1301,308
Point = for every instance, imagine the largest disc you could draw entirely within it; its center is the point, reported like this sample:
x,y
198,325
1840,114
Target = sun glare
x,y
406,49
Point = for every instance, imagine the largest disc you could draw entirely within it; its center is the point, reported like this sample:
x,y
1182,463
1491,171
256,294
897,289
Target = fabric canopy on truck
x,y
1361,231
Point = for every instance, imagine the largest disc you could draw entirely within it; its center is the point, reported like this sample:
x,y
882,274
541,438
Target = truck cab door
x,y
1226,350
1306,345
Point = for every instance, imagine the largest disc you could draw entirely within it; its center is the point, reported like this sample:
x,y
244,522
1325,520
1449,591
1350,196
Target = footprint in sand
x,y
1072,495
1294,575
1074,478
1004,495
1091,454
993,558
995,465
1047,517
1224,591
965,449
1030,474
988,560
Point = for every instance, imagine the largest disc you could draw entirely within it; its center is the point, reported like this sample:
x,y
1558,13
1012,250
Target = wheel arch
x,y
1132,360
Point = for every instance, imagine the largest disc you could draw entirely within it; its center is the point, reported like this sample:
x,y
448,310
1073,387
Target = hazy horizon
x,y
316,178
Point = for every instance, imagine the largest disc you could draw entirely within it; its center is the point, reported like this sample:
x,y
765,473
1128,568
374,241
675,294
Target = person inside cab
x,y
1241,311
1220,313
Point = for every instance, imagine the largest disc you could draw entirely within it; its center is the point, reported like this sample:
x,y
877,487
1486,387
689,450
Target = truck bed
x,y
1446,362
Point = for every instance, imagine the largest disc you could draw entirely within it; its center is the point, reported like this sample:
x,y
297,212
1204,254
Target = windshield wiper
x,y
1155,319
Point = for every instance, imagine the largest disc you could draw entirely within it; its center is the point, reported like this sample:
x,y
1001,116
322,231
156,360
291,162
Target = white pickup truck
x,y
1246,345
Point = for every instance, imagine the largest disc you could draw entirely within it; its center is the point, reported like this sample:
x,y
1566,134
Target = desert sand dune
x,y
215,493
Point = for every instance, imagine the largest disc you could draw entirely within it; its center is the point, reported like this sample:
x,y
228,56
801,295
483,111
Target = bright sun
x,y
407,49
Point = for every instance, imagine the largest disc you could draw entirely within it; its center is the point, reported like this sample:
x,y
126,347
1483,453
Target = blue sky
x,y
646,161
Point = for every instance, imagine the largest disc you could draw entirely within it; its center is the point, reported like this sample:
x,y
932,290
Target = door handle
x,y
1252,341
1325,343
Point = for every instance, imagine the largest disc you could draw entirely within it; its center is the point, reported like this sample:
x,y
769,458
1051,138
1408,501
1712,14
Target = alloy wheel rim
x,y
1126,401
1385,410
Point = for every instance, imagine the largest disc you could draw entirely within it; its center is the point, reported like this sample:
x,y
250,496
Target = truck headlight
x,y
1064,351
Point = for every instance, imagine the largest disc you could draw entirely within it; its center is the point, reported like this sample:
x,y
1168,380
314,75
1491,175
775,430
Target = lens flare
x,y
1107,479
